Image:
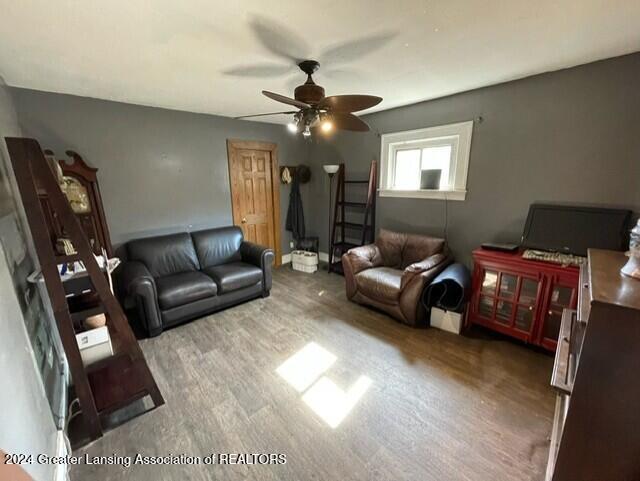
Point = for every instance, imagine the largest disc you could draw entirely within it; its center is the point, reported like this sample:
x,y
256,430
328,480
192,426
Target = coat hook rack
x,y
302,171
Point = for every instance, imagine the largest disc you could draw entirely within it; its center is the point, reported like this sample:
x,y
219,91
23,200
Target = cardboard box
x,y
447,320
94,345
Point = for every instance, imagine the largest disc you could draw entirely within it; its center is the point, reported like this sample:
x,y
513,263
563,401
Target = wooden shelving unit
x,y
114,382
346,234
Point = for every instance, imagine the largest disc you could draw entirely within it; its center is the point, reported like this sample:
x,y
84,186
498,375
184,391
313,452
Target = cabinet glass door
x,y
525,312
561,297
508,301
487,294
489,282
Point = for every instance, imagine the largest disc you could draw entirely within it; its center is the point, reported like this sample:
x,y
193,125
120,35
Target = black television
x,y
574,229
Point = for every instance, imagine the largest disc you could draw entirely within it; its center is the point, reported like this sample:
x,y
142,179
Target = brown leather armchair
x,y
391,273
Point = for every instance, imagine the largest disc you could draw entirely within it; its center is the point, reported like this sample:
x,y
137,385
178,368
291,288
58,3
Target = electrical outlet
x,y
291,244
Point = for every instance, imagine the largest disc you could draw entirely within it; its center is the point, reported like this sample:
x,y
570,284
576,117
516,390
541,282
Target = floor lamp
x,y
331,170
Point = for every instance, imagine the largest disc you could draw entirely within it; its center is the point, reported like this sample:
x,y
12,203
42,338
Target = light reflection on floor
x,y
325,398
305,366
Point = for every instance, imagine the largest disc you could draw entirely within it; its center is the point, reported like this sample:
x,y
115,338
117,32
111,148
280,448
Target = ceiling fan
x,y
317,111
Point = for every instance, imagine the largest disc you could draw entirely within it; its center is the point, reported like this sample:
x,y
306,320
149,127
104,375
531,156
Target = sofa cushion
x,y
164,255
179,289
218,246
380,283
234,275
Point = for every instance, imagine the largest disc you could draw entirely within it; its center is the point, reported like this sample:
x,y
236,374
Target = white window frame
x,y
457,135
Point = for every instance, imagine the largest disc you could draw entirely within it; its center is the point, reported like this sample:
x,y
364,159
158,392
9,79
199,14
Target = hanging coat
x,y
295,213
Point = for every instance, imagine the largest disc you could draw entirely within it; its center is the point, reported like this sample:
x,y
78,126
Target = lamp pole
x,y
331,174
331,170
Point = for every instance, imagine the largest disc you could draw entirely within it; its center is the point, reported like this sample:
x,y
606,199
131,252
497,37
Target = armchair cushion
x,y
391,245
383,283
418,248
234,275
183,288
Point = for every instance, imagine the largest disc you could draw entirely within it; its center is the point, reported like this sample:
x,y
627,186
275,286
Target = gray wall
x,y
29,361
160,170
567,136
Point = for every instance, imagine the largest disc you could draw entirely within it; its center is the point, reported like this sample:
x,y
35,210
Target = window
x,y
428,163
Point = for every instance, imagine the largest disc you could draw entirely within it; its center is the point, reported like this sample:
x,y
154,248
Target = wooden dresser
x,y
596,430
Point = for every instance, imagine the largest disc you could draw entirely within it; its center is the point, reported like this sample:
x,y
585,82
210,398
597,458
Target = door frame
x,y
232,146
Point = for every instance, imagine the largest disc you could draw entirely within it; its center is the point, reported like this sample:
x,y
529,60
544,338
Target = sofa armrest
x,y
138,284
357,260
423,266
261,257
363,257
414,279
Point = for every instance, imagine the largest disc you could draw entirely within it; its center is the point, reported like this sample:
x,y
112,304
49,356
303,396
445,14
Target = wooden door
x,y
255,194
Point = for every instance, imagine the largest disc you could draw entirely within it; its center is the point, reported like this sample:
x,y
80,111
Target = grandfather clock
x,y
79,182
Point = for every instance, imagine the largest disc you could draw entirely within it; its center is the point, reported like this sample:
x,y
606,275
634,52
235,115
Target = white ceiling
x,y
179,54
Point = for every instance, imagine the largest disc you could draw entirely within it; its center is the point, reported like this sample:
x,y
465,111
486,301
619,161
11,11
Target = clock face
x,y
76,195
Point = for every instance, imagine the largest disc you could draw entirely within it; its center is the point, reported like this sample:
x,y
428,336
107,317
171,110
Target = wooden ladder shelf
x,y
117,381
364,229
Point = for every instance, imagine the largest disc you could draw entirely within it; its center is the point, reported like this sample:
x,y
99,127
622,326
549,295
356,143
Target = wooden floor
x,y
440,407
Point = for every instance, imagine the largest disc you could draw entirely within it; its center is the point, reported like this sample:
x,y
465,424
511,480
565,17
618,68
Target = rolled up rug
x,y
449,290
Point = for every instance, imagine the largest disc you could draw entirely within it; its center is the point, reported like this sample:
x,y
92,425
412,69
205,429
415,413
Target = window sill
x,y
425,194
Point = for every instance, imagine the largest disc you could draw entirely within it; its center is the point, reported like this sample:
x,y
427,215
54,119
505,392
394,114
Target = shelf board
x,y
81,315
353,225
62,258
345,246
353,204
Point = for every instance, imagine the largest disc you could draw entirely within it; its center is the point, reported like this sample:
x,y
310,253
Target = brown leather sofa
x,y
391,273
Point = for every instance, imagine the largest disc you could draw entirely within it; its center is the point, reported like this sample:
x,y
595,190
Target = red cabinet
x,y
521,298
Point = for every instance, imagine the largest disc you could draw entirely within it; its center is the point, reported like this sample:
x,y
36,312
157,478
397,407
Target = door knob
x,y
244,220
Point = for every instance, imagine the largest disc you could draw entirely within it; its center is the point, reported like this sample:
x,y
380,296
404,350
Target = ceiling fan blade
x,y
347,121
279,39
264,115
259,70
355,49
285,100
349,103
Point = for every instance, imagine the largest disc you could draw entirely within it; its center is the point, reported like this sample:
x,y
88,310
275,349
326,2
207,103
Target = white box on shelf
x,y
94,345
304,261
446,320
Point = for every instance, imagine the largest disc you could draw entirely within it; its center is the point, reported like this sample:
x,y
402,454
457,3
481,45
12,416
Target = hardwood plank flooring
x,y
440,407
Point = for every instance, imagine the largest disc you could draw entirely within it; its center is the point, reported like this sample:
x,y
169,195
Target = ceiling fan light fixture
x,y
326,126
292,127
306,132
